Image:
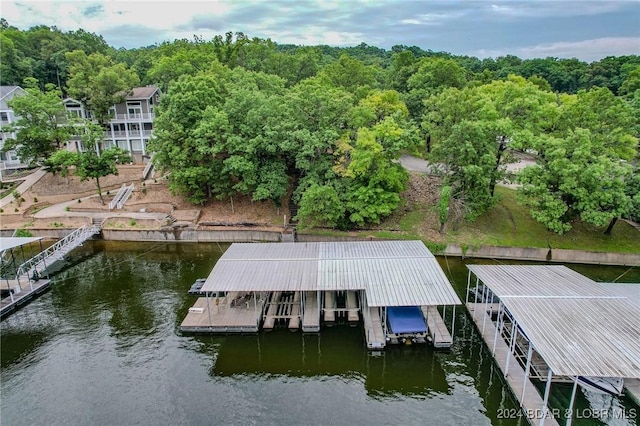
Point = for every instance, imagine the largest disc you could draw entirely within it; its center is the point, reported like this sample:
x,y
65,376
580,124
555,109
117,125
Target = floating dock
x,y
27,293
540,327
305,285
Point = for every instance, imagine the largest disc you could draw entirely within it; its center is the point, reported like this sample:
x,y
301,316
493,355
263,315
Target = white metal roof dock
x,y
579,327
392,273
7,243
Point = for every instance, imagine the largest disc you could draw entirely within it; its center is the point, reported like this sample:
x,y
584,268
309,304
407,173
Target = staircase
x,y
38,264
149,169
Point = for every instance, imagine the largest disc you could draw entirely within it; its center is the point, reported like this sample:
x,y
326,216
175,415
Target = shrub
x,y
23,233
15,210
67,209
79,200
132,222
35,199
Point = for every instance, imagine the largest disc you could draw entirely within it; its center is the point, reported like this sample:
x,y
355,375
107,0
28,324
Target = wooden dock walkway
x,y
294,322
311,314
272,311
329,307
532,403
28,292
437,329
352,307
218,316
373,330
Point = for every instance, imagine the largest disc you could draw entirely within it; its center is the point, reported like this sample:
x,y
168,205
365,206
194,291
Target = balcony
x,y
121,134
145,116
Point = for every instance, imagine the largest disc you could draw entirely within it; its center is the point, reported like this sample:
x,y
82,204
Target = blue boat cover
x,y
406,319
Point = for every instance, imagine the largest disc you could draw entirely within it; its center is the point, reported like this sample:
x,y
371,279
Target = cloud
x,y
586,50
553,9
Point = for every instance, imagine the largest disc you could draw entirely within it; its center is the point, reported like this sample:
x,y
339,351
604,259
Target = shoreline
x,y
179,234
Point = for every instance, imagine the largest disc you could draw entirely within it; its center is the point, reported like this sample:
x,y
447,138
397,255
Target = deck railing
x,y
55,252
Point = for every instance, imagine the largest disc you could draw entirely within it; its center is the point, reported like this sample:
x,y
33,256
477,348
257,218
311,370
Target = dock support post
x,y
498,324
466,295
546,397
208,308
484,310
526,372
512,344
573,398
453,323
476,296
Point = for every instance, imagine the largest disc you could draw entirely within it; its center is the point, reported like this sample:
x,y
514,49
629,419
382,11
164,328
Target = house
x,y
131,124
9,159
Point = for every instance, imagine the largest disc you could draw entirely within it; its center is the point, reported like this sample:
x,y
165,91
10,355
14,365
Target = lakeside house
x,y
130,126
8,160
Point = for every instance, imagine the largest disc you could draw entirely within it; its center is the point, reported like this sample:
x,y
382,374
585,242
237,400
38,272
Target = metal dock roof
x,y
7,243
392,273
578,326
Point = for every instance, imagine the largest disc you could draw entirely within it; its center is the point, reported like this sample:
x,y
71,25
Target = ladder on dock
x,y
38,264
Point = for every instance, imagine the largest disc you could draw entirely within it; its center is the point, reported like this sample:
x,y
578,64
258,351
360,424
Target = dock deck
x,y
373,331
329,307
352,307
29,291
217,315
437,329
311,314
532,403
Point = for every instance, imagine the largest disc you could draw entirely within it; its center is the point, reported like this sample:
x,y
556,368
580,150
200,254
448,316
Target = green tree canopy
x,y
42,124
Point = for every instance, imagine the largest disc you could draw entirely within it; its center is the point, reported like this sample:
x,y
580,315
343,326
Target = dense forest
x,y
247,116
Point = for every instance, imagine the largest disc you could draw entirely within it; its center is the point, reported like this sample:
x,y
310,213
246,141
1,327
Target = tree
x,y
93,166
321,206
98,83
60,162
41,127
575,177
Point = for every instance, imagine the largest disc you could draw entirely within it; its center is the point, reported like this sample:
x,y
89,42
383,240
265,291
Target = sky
x,y
587,30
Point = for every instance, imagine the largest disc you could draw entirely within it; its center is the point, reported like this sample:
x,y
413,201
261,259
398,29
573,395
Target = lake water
x,y
103,347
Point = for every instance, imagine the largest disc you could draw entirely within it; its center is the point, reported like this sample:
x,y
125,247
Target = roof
x,y
7,243
143,92
392,273
579,327
7,93
537,280
582,337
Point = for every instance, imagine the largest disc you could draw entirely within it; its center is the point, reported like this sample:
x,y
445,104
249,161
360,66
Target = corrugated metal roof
x,y
582,337
7,243
537,281
578,326
392,273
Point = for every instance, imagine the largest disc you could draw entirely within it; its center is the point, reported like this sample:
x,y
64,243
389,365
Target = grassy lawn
x,y
506,224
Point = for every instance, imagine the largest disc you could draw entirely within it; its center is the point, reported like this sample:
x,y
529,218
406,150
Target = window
x,y
134,109
4,116
136,145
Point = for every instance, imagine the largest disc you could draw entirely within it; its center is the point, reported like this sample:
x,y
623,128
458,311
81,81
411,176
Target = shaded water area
x,y
103,347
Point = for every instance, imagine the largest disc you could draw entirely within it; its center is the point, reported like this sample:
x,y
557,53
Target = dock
x,y
352,307
311,313
436,327
294,321
27,293
272,311
329,307
217,314
532,402
373,330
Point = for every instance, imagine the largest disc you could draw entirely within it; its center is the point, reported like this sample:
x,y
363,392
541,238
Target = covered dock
x,y
16,287
321,279
554,324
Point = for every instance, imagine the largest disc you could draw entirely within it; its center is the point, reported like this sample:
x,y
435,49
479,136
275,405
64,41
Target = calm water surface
x,y
103,347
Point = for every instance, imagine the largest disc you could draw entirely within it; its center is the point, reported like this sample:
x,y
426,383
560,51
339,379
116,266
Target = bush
x,y
15,210
23,233
67,209
79,200
35,199
132,222
1,210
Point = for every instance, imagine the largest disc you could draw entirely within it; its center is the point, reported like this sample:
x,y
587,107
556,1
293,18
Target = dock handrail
x,y
147,168
125,196
63,246
119,194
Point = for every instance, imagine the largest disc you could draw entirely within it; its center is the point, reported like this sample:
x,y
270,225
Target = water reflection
x,y
103,346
